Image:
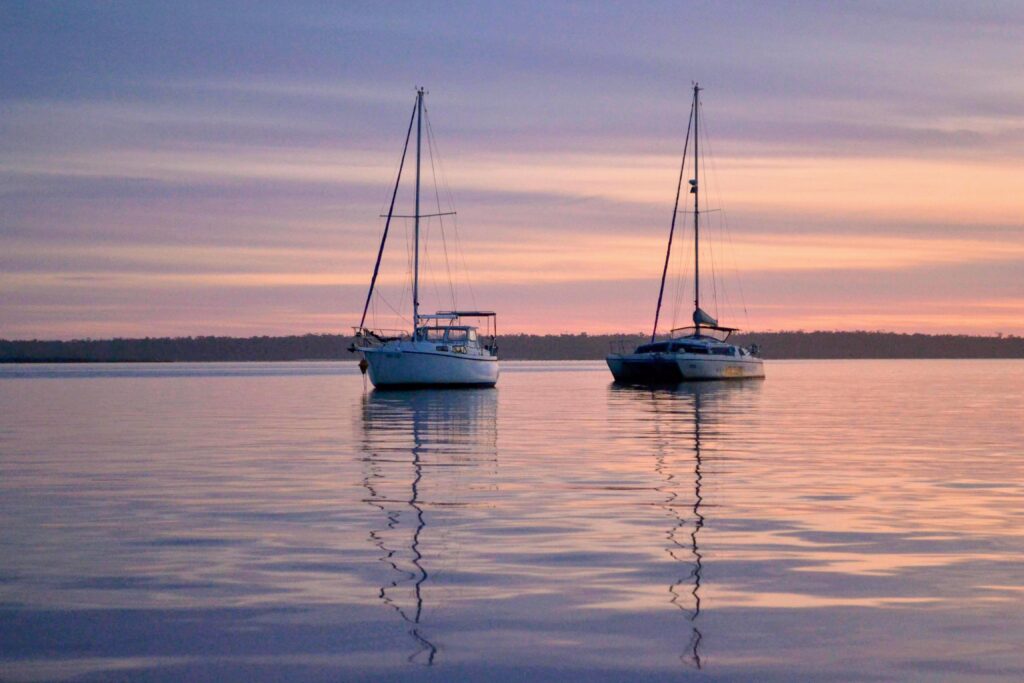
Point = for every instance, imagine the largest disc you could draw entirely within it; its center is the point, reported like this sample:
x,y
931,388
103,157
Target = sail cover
x,y
700,317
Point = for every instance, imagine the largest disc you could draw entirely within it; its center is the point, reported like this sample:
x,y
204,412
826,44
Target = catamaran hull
x,y
668,368
409,369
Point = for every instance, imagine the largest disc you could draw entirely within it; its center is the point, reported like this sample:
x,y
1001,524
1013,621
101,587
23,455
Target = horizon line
x,y
995,335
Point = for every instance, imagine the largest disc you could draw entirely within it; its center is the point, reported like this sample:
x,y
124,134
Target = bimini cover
x,y
700,317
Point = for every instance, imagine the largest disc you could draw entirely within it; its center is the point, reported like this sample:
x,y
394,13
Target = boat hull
x,y
403,368
674,368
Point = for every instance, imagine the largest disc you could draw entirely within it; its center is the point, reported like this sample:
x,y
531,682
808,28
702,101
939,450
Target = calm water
x,y
852,520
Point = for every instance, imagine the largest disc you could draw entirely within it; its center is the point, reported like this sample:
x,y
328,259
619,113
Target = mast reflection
x,y
698,524
416,446
682,415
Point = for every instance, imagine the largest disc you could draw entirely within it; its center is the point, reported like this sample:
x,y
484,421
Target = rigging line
x,y
710,198
713,257
460,253
736,270
735,266
385,200
682,275
710,246
431,275
387,303
409,261
675,296
431,145
675,212
440,164
434,277
732,246
682,267
675,302
387,224
686,275
681,292
714,277
379,295
722,265
422,215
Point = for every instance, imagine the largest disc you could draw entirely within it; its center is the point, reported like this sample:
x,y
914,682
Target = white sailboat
x,y
441,349
700,352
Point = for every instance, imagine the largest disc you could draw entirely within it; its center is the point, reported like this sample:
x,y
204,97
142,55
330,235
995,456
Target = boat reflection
x,y
686,414
423,452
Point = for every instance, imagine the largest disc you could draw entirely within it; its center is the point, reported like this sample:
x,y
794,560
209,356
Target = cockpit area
x,y
449,335
446,331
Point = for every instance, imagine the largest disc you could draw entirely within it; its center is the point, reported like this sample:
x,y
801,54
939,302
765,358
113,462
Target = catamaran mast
x,y
696,207
672,227
416,258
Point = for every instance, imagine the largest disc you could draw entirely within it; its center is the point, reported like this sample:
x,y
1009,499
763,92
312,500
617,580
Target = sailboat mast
x,y
416,258
696,203
672,227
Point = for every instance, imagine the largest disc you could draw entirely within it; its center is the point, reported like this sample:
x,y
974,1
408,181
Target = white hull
x,y
409,364
672,368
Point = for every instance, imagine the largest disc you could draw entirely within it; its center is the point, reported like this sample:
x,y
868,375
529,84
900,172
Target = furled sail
x,y
700,317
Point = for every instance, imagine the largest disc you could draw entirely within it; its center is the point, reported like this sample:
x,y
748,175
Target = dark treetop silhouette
x,y
776,345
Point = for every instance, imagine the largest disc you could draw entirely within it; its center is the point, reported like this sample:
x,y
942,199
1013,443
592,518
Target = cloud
x,y
158,158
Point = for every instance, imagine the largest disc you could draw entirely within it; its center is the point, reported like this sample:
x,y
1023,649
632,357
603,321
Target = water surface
x,y
853,520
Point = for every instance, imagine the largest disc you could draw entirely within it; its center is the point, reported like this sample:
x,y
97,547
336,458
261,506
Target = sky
x,y
220,168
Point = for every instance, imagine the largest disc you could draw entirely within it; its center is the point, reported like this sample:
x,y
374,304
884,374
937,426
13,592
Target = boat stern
x,y
650,369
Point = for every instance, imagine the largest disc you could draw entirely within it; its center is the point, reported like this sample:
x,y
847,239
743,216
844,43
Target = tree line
x,y
777,345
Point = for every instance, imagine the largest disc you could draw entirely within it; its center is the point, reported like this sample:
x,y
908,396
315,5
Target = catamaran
x,y
441,349
700,352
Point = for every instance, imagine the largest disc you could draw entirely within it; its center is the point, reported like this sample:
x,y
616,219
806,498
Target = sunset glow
x,y
159,197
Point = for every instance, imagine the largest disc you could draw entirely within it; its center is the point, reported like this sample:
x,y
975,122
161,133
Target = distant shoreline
x,y
312,347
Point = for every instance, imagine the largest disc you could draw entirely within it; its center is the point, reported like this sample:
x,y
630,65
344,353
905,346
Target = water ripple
x,y
854,520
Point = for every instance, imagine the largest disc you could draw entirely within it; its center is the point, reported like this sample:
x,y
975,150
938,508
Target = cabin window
x,y
472,335
434,334
458,335
653,348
